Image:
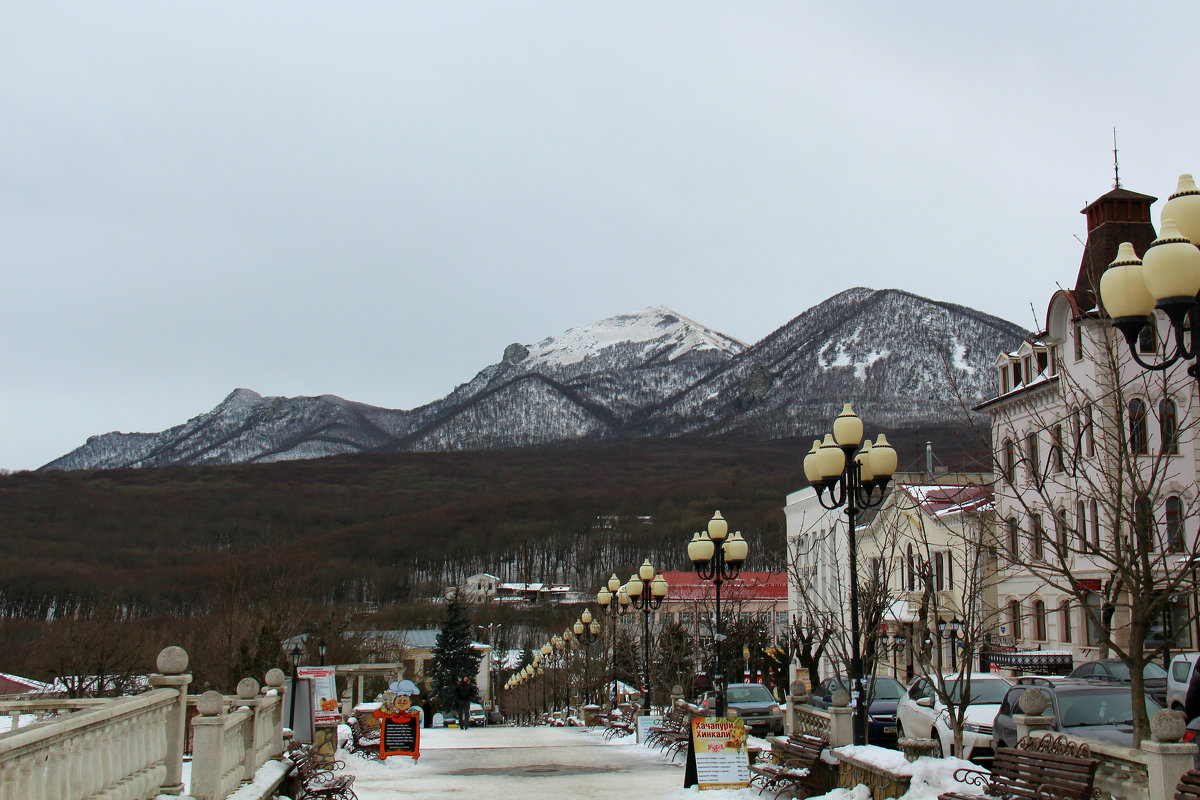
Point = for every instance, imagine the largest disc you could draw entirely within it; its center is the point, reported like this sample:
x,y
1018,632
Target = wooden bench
x,y
676,729
361,742
792,768
1188,787
1038,768
317,781
621,723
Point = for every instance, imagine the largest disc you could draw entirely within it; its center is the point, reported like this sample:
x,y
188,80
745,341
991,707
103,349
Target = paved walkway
x,y
520,763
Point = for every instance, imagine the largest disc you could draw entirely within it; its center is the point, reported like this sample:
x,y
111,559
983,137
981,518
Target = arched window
x,y
1014,539
1147,339
1089,432
1076,433
1039,537
1064,621
1009,463
1060,533
1174,524
1031,452
1143,523
1081,524
1137,426
1094,516
1014,618
1039,620
912,571
1168,427
1056,448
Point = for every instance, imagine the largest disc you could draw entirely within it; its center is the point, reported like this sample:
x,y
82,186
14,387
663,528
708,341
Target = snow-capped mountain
x,y
901,359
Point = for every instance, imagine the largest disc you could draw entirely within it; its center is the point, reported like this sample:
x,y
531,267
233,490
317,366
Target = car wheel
x,y
937,737
900,734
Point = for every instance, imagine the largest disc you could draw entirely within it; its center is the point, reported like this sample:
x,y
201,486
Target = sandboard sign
x,y
399,722
717,757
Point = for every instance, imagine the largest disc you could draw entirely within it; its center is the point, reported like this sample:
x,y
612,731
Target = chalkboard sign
x,y
400,735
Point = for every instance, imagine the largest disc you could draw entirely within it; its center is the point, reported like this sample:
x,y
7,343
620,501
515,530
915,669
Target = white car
x,y
921,714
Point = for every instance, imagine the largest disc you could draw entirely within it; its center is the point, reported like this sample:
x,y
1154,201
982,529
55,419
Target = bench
x,y
792,767
1038,768
621,723
316,780
361,742
675,731
1188,787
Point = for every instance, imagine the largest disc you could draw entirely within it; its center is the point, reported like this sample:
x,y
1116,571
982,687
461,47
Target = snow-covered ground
x,y
575,763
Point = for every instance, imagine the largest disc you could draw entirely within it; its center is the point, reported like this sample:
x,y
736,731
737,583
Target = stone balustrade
x,y
131,748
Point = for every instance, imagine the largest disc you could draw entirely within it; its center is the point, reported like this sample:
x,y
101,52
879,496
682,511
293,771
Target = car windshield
x,y
756,693
1080,709
983,690
1151,670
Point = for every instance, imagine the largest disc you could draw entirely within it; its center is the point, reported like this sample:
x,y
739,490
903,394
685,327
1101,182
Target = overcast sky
x,y
373,199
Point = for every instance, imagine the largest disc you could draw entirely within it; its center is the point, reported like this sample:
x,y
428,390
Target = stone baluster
x,y
275,680
841,720
208,747
172,666
1167,757
248,693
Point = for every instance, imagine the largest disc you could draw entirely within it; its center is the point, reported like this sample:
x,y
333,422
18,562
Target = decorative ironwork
x,y
972,777
1060,745
1032,662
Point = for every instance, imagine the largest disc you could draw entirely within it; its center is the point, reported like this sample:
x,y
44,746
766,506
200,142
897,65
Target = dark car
x,y
1092,709
883,691
756,705
1113,669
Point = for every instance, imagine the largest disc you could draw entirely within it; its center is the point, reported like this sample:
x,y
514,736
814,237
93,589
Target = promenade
x,y
519,763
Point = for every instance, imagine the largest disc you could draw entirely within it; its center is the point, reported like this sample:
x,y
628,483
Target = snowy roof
x,y
747,586
946,499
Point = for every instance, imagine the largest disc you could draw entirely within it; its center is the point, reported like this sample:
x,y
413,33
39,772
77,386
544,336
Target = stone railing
x,y
231,743
808,719
128,748
43,710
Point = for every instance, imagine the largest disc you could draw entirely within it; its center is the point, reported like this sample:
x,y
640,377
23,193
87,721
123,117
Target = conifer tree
x,y
453,656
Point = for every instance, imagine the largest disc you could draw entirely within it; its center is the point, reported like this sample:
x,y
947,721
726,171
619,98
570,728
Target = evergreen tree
x,y
453,656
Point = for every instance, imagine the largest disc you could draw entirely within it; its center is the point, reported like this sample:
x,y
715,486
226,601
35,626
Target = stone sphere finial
x,y
247,688
798,689
1033,702
211,703
1167,725
172,660
275,677
840,698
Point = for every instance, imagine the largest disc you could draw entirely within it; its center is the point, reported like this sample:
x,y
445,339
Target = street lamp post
x,y
1166,278
646,591
717,564
586,630
855,481
321,648
613,601
952,628
296,654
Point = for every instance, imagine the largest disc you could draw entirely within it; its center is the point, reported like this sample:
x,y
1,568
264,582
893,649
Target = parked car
x,y
1178,678
921,714
1154,677
478,716
1088,708
755,704
884,692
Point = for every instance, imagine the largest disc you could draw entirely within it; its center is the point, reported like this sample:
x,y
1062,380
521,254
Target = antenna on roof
x,y
1116,163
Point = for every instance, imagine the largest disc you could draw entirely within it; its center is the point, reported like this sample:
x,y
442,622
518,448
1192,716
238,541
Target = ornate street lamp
x,y
646,591
587,631
952,629
718,564
855,481
1167,278
321,648
296,655
613,601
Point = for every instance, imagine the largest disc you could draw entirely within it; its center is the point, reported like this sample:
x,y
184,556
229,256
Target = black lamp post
x,y
952,628
718,564
1167,278
613,601
296,654
646,591
321,648
856,480
587,631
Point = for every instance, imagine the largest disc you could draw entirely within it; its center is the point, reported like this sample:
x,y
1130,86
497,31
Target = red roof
x,y
746,586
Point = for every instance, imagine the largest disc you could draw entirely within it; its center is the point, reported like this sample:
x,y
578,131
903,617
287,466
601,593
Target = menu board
x,y
717,757
400,734
324,693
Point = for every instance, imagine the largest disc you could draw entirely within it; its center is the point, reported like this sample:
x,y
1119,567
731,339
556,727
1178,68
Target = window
x,y
781,618
1004,379
1147,339
1039,537
1143,522
1077,336
1094,515
1060,532
1014,539
1039,620
1167,427
1064,621
1092,617
912,571
1031,452
1081,524
1174,524
1089,433
1137,426
1014,618
1009,463
939,573
1056,451
1076,434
